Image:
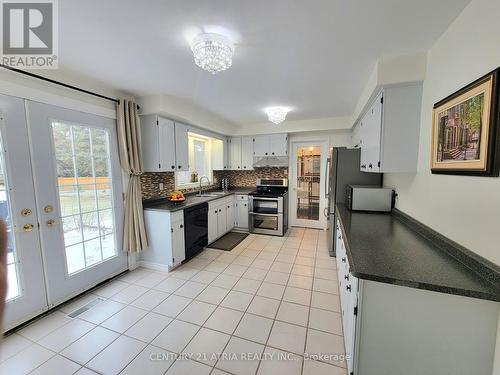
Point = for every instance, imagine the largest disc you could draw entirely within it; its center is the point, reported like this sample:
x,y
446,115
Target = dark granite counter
x,y
163,204
380,247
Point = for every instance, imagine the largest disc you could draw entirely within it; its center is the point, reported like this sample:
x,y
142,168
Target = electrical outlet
x,y
160,186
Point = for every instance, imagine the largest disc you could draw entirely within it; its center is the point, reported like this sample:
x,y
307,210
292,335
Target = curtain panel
x,y
129,147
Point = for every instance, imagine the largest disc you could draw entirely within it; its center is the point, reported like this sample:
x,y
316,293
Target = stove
x,y
268,207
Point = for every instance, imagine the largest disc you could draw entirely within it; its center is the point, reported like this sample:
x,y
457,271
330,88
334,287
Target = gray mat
x,y
228,241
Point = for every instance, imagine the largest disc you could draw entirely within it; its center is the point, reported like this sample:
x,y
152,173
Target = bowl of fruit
x,y
176,196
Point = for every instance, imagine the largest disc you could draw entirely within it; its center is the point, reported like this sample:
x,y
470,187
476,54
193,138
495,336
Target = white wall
x,y
465,209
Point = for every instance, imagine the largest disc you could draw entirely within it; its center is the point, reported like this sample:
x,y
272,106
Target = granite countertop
x,y
162,204
380,247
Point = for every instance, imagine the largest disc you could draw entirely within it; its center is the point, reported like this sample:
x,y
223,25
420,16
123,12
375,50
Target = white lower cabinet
x,y
241,211
394,330
165,231
220,217
230,213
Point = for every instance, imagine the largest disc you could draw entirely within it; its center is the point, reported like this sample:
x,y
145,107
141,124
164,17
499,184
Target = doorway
x,y
307,195
61,197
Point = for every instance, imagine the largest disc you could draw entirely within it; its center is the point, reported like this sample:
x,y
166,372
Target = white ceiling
x,y
312,55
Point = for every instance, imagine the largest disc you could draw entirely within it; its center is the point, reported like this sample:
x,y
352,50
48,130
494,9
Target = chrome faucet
x,y
201,179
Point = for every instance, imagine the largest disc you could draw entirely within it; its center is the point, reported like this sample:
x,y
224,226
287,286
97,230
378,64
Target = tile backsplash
x,y
150,181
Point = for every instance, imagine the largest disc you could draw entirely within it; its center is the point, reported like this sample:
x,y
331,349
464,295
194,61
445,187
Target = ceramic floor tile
x,y
325,286
299,269
281,267
77,303
13,344
116,356
236,358
66,335
85,371
254,328
224,320
26,360
184,272
213,295
293,313
255,274
187,367
235,270
263,306
280,362
150,299
206,345
226,257
176,336
172,306
216,267
297,295
288,337
57,365
102,311
237,300
88,346
298,281
325,301
190,289
277,277
148,327
151,361
327,321
225,281
197,312
124,319
243,260
262,264
329,346
326,263
45,325
205,277
134,275
304,261
111,288
319,368
247,285
325,273
151,280
271,290
170,285
285,258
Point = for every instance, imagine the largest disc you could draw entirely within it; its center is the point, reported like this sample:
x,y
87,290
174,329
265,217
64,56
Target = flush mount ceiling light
x,y
212,52
277,114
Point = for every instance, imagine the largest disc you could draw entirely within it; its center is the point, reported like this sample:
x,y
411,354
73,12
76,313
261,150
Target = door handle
x,y
48,209
28,227
51,223
326,177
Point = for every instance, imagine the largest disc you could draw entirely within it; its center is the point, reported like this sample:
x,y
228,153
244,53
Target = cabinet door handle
x,y
348,288
272,153
245,204
220,209
346,277
266,153
180,166
370,166
173,166
343,259
181,226
363,166
339,237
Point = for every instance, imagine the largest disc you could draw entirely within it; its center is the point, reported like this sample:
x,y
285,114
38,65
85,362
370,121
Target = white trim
x,y
154,266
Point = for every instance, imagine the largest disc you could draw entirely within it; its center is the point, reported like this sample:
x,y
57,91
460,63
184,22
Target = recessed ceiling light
x,y
277,114
212,52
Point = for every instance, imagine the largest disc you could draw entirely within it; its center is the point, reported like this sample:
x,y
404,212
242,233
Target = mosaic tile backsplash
x,y
150,181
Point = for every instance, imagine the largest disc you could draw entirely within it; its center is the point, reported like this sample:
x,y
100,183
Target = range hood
x,y
270,161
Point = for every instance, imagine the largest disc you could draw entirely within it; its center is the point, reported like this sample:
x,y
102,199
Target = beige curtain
x,y
129,146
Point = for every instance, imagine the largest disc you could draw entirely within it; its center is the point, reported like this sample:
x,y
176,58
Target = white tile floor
x,y
263,305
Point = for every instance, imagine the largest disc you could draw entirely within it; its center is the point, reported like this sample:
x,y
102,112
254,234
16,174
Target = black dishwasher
x,y
195,229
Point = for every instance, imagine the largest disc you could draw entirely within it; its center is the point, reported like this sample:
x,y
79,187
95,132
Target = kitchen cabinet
x,y
158,144
235,153
212,223
230,213
247,153
241,212
356,136
388,132
219,217
270,145
181,147
165,231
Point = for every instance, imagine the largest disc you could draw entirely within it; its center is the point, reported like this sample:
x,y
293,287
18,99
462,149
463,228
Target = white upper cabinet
x,y
356,135
235,153
270,145
247,153
181,147
158,144
389,130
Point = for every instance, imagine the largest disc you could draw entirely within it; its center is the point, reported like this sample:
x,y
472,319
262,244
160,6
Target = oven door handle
x,y
256,213
265,199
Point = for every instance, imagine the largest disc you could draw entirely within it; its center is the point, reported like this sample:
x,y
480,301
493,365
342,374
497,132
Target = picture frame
x,y
466,130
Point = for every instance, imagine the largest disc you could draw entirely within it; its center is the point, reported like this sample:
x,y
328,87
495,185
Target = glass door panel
x,y
308,182
265,222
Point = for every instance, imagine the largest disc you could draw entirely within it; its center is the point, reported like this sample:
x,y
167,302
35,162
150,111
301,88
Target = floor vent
x,y
86,307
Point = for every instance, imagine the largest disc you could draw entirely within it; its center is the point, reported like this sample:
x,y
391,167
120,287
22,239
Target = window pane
x,y
199,157
86,200
308,182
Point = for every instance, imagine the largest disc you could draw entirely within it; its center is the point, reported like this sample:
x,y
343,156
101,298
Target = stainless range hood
x,y
270,161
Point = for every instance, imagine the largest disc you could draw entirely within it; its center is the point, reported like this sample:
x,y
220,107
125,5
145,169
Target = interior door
x,y
77,179
26,296
307,195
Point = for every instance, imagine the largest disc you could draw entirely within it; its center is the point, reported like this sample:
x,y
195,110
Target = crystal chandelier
x,y
276,114
212,52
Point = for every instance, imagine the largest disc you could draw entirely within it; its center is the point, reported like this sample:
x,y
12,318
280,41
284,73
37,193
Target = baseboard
x,y
153,266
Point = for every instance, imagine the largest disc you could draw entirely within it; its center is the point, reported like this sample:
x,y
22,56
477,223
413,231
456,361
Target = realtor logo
x,y
29,34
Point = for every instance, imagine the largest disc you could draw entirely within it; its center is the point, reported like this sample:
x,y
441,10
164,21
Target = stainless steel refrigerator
x,y
342,170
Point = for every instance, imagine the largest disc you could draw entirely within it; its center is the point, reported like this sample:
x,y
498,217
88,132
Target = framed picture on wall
x,y
465,130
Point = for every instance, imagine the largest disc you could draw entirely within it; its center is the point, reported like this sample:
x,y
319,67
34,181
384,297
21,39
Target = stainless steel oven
x,y
267,215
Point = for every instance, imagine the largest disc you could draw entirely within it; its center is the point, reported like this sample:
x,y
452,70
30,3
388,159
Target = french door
x,y
307,183
73,173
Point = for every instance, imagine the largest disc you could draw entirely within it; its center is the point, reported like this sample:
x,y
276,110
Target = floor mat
x,y
228,241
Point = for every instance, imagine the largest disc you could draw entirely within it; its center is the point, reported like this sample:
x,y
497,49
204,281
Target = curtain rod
x,y
58,83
